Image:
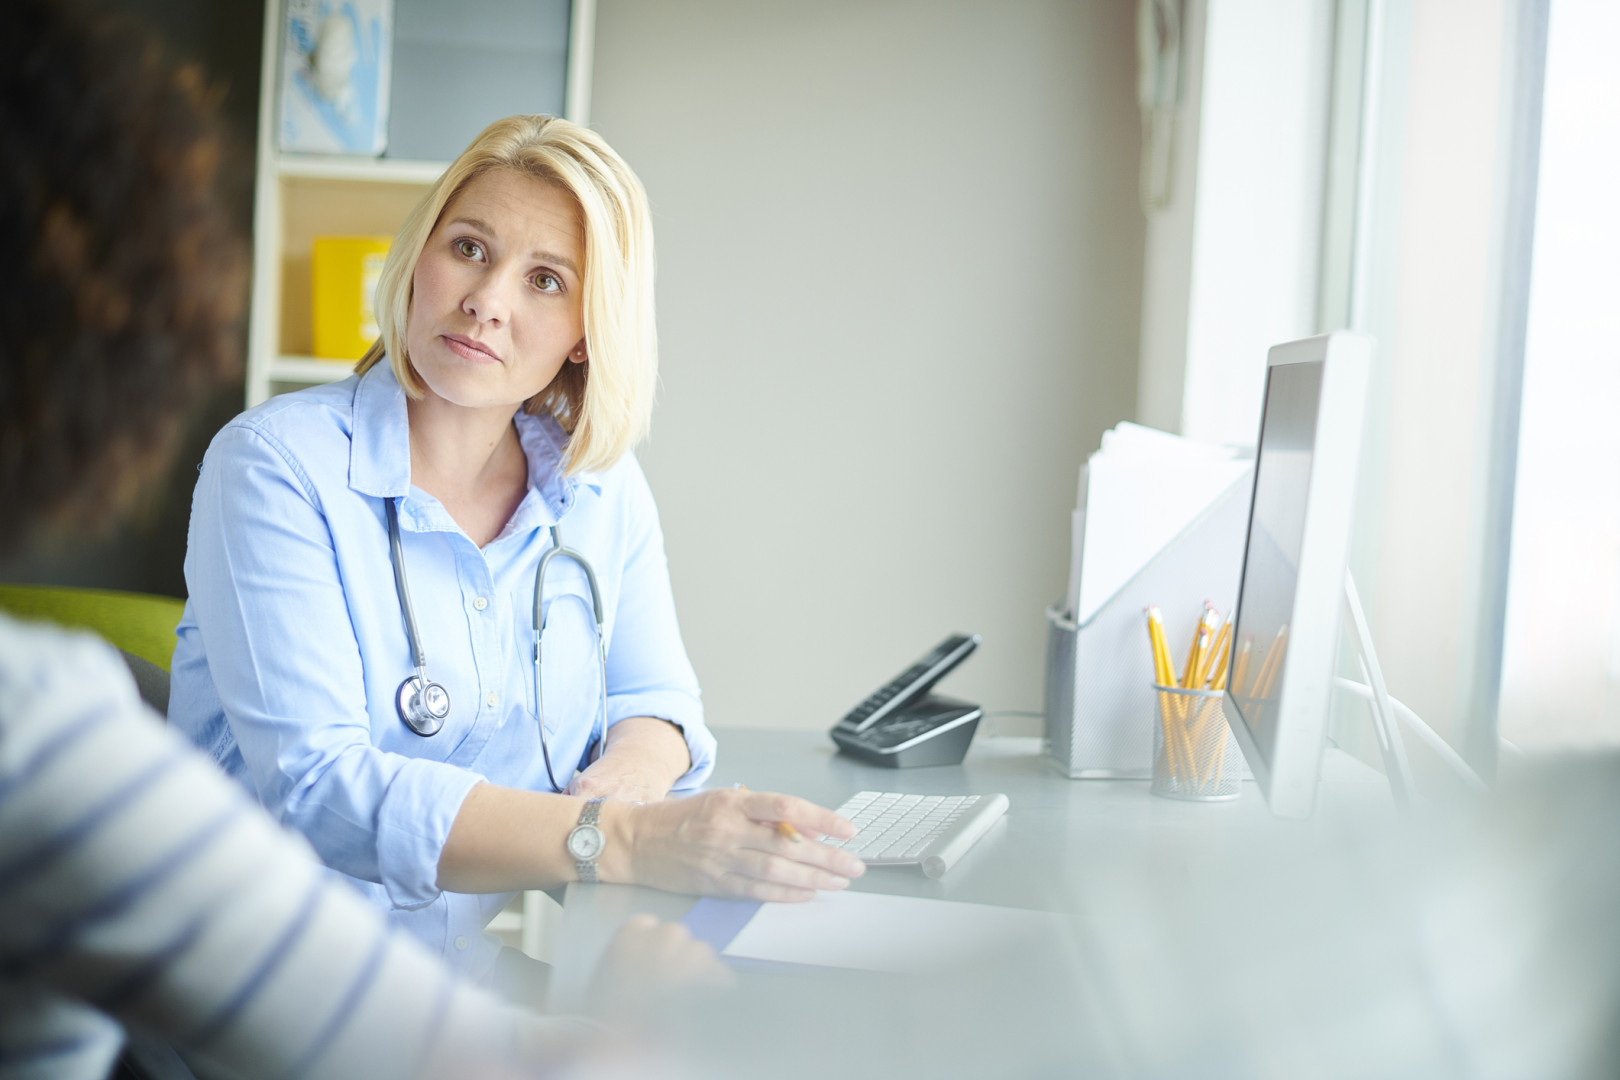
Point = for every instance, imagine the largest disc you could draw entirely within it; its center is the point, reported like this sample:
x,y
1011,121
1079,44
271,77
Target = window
x,y
1561,654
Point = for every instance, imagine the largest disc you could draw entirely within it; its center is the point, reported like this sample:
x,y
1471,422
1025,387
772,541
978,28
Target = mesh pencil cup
x,y
1195,756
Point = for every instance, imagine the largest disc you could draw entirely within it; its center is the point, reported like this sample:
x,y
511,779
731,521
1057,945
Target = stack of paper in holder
x,y
1160,520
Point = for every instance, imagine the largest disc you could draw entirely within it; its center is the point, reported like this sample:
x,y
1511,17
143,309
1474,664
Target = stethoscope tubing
x,y
396,554
558,550
423,707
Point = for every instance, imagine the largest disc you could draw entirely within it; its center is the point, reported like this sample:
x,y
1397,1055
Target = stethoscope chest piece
x,y
423,705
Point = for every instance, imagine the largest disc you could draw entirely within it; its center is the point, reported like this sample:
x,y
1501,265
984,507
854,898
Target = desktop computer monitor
x,y
1286,628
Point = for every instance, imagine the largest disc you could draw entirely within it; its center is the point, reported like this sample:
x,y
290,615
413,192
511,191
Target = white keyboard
x,y
932,831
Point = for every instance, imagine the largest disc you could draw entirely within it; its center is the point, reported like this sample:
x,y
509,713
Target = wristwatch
x,y
585,842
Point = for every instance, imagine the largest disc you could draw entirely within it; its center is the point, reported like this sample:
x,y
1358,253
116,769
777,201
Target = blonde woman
x,y
368,563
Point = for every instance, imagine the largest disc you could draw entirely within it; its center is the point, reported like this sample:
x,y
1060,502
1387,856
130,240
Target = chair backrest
x,y
138,623
151,680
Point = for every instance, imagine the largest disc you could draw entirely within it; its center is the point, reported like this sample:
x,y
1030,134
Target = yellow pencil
x,y
1203,641
782,827
1192,714
1217,655
1218,681
1164,675
1170,706
1214,678
1219,763
1200,637
1214,717
1162,671
1189,672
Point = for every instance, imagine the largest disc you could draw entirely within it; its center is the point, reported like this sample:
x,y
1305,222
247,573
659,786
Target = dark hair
x,y
121,279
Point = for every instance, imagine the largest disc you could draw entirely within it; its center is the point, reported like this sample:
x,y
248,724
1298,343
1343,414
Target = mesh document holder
x,y
1099,673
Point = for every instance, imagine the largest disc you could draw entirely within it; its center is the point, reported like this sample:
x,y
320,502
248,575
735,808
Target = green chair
x,y
139,625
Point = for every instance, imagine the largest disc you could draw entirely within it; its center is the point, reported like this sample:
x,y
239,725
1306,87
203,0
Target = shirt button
x,y
461,943
493,699
480,603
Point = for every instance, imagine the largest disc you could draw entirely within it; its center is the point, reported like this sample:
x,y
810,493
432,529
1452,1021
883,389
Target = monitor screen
x,y
1276,535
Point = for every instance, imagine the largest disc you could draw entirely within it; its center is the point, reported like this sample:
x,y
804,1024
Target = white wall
x,y
900,264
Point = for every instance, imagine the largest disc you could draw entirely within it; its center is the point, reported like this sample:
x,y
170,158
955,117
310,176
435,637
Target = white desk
x,y
1102,847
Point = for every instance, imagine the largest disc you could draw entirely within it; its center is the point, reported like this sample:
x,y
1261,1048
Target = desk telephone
x,y
900,724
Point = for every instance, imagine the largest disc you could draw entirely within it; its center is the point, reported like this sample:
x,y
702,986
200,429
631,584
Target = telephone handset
x,y
901,724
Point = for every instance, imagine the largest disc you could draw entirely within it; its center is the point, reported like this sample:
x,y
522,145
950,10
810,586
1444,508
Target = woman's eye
x,y
468,249
548,282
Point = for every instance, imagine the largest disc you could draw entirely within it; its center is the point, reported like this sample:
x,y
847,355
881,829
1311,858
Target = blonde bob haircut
x,y
604,403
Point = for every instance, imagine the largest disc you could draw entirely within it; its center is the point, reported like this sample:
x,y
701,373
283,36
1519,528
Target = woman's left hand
x,y
618,778
644,757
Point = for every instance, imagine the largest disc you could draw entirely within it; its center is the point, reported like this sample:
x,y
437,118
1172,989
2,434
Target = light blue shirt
x,y
293,644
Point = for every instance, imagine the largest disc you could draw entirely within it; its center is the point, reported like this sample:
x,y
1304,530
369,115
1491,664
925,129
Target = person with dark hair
x,y
137,883
124,280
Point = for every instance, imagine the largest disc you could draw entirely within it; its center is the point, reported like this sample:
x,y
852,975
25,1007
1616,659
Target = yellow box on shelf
x,y
343,273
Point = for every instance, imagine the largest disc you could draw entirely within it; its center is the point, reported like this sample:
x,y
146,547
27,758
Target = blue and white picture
x,y
335,72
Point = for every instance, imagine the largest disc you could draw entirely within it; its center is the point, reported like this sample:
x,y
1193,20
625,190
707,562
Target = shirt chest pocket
x,y
569,675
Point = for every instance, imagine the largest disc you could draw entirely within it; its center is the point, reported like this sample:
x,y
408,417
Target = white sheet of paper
x,y
1139,492
1139,442
1077,530
874,932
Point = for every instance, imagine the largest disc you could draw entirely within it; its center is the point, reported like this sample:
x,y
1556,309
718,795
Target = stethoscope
x,y
424,705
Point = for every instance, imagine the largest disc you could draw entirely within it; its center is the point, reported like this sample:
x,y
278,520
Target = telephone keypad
x,y
911,683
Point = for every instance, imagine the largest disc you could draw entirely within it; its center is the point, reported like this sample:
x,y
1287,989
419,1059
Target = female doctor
x,y
368,562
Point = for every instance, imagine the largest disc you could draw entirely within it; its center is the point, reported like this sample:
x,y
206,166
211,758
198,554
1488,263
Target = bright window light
x,y
1561,662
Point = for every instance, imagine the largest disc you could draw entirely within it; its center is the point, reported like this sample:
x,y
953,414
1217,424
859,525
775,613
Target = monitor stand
x,y
1385,708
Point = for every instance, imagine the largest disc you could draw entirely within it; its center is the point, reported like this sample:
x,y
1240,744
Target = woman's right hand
x,y
726,843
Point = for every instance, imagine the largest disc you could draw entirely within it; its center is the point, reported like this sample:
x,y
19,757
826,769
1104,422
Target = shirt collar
x,y
380,447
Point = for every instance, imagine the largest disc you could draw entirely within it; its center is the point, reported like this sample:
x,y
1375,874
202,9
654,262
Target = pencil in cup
x,y
1173,733
1215,663
1203,635
1190,746
1198,654
1213,677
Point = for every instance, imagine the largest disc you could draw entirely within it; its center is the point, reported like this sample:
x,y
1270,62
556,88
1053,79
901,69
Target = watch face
x,y
585,842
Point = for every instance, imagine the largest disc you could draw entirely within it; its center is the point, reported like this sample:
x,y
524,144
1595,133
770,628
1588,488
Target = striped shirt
x,y
137,883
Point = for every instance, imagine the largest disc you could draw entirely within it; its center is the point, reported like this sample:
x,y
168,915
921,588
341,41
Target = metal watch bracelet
x,y
585,841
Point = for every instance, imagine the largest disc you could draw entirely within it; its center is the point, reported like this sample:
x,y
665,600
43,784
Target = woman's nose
x,y
489,300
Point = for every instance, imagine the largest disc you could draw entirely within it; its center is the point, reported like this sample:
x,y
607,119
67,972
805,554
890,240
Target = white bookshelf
x,y
362,170
300,196
308,370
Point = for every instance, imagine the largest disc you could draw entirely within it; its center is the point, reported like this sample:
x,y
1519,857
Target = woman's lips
x,y
468,349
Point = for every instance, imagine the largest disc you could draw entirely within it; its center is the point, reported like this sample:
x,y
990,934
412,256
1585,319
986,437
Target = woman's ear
x,y
578,355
